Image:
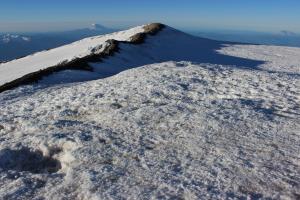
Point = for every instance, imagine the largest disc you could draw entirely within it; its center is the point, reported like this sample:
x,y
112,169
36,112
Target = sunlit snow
x,y
168,130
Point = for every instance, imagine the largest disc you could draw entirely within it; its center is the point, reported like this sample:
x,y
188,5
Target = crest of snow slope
x,y
277,58
174,130
18,68
171,44
168,44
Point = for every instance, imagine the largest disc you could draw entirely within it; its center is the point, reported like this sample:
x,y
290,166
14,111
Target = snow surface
x,y
15,69
228,129
164,131
277,58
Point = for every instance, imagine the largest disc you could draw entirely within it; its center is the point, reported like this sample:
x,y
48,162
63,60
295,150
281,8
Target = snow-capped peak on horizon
x,y
96,26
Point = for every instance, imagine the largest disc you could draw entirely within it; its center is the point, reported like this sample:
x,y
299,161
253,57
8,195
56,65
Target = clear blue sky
x,y
44,15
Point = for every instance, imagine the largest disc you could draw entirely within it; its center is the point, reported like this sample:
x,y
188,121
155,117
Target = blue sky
x,y
256,15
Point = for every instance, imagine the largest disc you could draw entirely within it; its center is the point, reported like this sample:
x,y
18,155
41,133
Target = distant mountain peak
x,y
97,27
287,33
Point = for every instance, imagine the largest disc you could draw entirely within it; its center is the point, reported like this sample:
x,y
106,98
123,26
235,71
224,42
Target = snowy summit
x,y
97,27
151,113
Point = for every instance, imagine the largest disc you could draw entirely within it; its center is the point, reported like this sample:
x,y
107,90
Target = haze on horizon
x,y
55,15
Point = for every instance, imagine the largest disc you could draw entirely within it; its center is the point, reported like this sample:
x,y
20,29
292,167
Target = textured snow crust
x,y
173,130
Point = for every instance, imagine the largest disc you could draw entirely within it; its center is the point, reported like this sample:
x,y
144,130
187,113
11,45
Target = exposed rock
x,y
151,29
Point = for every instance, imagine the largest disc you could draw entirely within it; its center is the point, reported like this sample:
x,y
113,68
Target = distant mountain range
x,y
14,46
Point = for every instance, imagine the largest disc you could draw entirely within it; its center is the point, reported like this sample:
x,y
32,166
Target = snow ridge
x,y
30,68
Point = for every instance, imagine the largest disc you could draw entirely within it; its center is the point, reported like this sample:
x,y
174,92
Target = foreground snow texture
x,y
165,131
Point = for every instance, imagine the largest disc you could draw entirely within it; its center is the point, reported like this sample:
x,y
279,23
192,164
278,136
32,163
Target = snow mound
x,y
163,131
